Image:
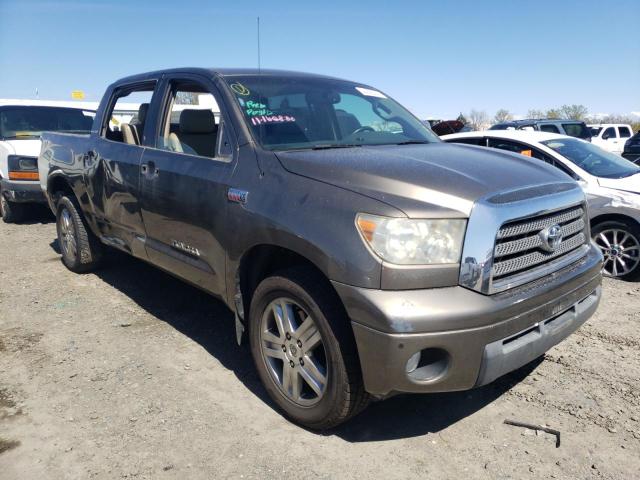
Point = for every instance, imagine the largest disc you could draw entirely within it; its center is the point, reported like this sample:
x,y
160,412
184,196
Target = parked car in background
x,y
573,128
612,185
632,149
611,136
20,129
449,126
365,256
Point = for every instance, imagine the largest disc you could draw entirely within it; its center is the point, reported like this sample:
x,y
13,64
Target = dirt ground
x,y
129,373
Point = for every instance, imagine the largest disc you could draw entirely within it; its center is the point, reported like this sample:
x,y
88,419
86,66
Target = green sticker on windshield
x,y
256,108
240,89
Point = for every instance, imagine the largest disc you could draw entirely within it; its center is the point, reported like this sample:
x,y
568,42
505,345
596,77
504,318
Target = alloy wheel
x,y
621,251
293,352
68,234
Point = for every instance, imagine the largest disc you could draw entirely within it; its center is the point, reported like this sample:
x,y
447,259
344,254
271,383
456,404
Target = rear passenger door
x,y
184,180
112,168
610,140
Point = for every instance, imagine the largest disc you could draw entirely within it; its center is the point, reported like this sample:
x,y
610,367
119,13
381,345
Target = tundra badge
x,y
185,248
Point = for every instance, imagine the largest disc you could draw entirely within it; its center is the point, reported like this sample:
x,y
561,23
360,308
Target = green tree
x,y
502,115
554,113
478,119
461,118
574,112
535,113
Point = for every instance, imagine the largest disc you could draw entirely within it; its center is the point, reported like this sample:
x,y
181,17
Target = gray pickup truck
x,y
362,256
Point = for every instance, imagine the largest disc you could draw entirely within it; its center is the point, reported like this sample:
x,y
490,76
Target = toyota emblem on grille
x,y
551,237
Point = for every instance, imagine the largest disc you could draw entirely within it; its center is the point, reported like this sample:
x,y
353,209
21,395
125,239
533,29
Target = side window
x,y
565,169
511,146
610,133
126,117
624,132
192,123
469,141
549,128
552,161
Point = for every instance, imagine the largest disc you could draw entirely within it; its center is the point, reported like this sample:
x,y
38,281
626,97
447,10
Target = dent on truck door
x,y
112,173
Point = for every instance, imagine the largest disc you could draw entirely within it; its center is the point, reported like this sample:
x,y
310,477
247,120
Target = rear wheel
x,y
11,212
81,250
304,350
619,242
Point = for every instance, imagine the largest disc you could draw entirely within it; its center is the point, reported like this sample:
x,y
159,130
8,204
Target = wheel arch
x,y
614,217
265,259
57,183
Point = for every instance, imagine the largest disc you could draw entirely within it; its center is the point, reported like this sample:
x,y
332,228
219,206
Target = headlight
x,y
406,241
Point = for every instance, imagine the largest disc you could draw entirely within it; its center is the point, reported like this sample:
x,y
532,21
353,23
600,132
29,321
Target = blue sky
x,y
437,58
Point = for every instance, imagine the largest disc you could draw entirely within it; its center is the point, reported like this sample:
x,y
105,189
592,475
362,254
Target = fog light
x,y
412,364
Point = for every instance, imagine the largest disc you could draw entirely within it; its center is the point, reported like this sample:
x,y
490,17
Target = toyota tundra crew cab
x,y
362,256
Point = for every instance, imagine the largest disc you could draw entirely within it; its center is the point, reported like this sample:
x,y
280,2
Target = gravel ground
x,y
129,373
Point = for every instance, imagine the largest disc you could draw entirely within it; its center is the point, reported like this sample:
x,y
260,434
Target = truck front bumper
x,y
465,339
22,191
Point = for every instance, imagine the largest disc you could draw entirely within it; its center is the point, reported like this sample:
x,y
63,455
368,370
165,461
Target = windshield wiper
x,y
335,145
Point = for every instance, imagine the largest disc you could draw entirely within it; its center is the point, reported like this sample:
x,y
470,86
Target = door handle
x,y
149,169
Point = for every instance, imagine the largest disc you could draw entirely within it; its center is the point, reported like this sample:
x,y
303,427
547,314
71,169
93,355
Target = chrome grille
x,y
520,248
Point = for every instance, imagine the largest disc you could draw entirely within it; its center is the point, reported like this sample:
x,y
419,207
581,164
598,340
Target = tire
x,y
11,212
619,242
81,250
306,295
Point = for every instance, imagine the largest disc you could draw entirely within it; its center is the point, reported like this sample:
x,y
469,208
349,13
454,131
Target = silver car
x,y
612,185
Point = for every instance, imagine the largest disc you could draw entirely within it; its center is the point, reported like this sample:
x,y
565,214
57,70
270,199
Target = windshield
x,y
593,159
595,131
30,122
287,113
578,130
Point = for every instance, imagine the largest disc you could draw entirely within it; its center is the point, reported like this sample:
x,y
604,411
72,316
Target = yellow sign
x,y
77,95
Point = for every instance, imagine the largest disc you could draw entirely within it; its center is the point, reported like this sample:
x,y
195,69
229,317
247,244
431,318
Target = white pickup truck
x,y
611,136
21,125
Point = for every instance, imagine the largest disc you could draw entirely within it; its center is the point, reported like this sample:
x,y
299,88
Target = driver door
x,y
184,181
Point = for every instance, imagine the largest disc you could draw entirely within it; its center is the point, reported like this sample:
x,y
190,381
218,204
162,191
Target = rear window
x,y
549,128
30,122
578,130
624,132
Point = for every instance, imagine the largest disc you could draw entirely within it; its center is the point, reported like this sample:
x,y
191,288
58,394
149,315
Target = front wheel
x,y
619,242
11,212
304,350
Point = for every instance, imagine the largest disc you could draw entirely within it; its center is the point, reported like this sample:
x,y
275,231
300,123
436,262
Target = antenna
x,y
259,45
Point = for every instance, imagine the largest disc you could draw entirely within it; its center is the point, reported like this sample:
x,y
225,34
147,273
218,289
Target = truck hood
x,y
628,184
437,179
28,147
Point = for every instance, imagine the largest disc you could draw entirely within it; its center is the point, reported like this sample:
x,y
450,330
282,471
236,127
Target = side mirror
x,y
605,136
